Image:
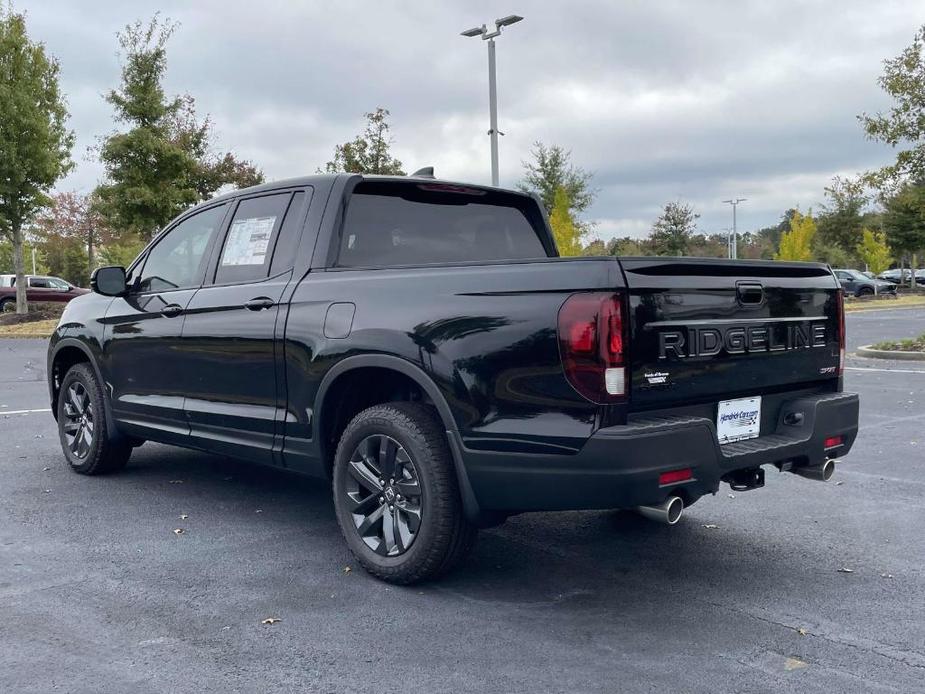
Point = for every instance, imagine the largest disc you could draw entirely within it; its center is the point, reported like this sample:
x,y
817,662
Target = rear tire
x,y
6,303
85,439
396,494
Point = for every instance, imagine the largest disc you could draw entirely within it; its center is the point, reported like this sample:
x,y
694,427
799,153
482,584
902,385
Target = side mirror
x,y
109,281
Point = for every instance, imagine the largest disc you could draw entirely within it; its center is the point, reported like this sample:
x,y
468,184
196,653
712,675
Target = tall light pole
x,y
734,240
492,83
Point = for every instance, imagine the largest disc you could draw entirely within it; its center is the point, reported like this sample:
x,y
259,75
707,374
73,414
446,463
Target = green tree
x,y
122,252
6,256
35,144
551,169
596,247
566,233
164,162
213,170
672,231
904,220
874,251
73,217
67,258
369,152
831,254
797,244
841,219
902,127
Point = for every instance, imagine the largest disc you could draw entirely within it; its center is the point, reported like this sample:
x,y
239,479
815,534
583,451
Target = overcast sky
x,y
664,100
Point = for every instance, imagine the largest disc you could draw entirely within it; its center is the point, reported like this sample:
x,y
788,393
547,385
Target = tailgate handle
x,y
749,293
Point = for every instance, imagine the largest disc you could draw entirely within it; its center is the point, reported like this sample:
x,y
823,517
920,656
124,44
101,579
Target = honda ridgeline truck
x,y
421,344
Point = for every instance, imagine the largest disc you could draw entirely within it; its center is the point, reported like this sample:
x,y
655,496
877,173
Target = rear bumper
x,y
619,466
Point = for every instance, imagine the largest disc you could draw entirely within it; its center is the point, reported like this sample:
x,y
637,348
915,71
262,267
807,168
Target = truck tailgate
x,y
709,330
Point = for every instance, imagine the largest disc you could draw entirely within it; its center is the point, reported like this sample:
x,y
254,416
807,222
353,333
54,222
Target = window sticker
x,y
248,240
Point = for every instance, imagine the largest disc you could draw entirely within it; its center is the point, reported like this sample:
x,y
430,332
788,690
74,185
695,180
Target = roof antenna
x,y
426,172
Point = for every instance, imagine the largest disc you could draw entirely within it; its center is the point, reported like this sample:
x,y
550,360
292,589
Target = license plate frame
x,y
738,420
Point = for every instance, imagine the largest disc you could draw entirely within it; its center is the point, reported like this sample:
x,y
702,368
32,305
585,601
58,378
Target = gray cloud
x,y
667,100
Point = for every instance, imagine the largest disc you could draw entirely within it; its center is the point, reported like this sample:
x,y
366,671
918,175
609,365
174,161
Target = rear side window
x,y
249,242
289,236
389,223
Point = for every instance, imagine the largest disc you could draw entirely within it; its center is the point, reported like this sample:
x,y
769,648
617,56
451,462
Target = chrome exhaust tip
x,y
669,512
821,473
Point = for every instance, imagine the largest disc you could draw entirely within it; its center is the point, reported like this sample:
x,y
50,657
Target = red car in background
x,y
40,289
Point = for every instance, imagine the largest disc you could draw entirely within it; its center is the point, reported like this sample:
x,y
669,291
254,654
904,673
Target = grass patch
x,y
903,301
36,328
914,344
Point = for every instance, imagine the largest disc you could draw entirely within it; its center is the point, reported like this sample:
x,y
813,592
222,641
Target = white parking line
x,y
886,371
2,412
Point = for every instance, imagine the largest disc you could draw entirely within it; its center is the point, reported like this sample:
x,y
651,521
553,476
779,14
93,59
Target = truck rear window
x,y
389,223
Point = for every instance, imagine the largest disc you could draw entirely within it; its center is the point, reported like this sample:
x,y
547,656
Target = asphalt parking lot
x,y
801,586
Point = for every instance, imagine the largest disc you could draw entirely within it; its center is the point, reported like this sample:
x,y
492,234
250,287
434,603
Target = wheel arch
x,y
66,353
340,374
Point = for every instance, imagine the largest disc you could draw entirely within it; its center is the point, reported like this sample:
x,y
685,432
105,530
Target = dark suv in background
x,y
857,283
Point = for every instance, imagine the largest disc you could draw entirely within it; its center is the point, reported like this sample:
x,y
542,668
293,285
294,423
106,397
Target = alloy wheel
x,y
384,495
78,424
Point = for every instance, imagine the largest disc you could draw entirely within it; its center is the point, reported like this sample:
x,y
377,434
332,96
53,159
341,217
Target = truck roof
x,y
328,179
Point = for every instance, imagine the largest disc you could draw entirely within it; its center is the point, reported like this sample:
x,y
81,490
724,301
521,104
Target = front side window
x,y
58,283
178,259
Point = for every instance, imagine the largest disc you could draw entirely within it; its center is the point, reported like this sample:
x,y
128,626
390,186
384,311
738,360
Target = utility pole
x,y
734,240
493,132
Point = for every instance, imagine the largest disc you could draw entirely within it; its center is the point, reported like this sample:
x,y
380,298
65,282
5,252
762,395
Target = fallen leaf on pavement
x,y
845,570
183,516
178,531
710,526
271,620
176,481
347,569
801,631
731,496
886,575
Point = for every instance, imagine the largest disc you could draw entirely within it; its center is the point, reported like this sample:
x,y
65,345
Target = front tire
x,y
88,447
396,494
865,291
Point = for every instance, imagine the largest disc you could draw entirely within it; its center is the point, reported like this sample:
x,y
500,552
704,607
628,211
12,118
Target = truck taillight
x,y
592,339
840,303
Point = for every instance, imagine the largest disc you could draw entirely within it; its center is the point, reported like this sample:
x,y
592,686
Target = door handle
x,y
259,304
171,310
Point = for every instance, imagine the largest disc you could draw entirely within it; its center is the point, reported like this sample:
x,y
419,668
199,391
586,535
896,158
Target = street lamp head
x,y
507,21
474,31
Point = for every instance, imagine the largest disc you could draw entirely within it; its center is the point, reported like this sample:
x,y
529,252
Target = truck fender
x,y
419,376
66,342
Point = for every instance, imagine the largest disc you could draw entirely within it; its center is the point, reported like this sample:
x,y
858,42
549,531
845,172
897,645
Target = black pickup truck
x,y
421,344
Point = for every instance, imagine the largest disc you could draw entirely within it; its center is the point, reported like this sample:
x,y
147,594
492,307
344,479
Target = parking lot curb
x,y
898,355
